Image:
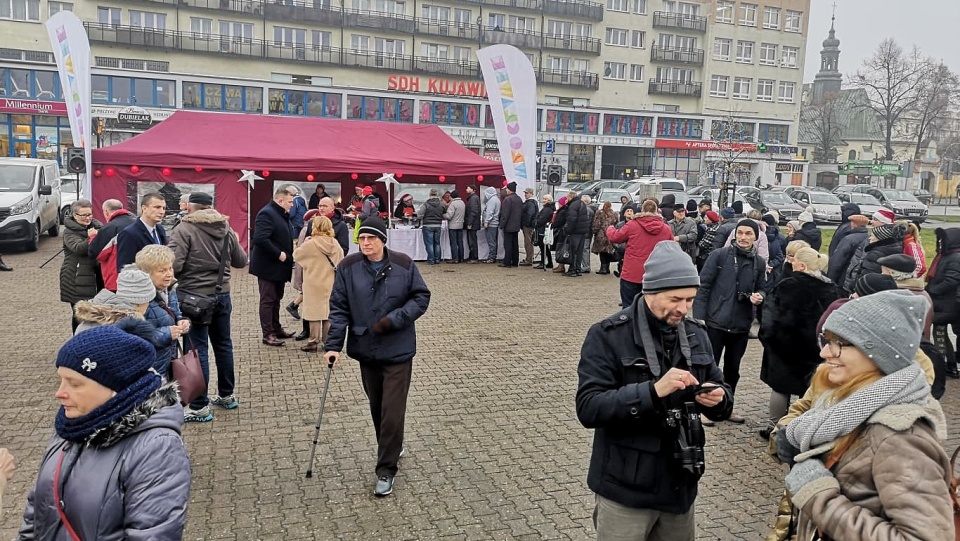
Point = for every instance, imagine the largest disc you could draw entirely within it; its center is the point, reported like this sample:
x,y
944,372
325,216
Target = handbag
x,y
564,255
200,308
188,374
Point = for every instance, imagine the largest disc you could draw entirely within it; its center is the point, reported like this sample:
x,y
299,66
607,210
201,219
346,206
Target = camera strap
x,y
649,346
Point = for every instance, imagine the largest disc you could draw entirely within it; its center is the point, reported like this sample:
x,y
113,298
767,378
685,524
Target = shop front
x,y
34,129
117,124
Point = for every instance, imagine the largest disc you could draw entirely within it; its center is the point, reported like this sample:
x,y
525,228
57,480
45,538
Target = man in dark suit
x,y
146,230
271,261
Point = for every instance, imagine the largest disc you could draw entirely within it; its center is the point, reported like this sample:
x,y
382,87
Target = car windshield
x,y
613,195
899,195
863,198
823,198
672,186
777,197
16,178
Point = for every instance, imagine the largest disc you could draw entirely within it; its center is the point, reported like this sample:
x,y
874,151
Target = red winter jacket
x,y
914,249
641,235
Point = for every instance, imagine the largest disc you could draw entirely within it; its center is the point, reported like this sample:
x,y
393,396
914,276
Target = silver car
x,y
824,206
903,203
868,204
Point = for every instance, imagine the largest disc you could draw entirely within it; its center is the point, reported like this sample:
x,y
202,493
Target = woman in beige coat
x,y
869,462
318,255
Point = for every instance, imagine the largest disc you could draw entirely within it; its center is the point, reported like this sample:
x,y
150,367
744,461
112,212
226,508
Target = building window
x,y
768,54
686,43
463,17
114,90
794,22
378,108
390,47
719,85
748,15
745,52
434,51
239,32
284,36
583,30
688,10
572,122
435,13
360,43
521,24
771,18
201,26
638,39
721,48
148,19
636,72
616,36
680,127
109,16
559,29
321,40
787,90
773,132
496,21
454,114
56,7
618,5
462,54
789,58
43,85
614,70
380,6
298,102
641,126
764,90
724,13
20,10
640,7
741,88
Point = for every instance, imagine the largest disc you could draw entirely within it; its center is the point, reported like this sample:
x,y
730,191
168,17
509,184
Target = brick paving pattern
x,y
494,450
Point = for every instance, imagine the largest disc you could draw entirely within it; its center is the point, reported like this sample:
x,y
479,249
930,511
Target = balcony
x,y
453,68
581,9
433,27
300,11
569,43
535,5
675,88
379,20
517,38
674,54
583,79
664,19
253,7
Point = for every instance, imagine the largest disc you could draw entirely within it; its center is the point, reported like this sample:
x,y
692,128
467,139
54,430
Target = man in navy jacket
x,y
378,295
146,230
271,261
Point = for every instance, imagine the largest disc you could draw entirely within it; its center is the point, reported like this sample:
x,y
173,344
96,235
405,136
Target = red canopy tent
x,y
212,148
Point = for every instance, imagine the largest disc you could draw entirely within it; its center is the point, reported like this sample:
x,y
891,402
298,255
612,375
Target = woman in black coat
x,y
943,282
544,217
788,331
79,275
559,228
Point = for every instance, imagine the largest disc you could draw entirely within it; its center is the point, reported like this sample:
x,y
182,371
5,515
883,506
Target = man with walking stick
x,y
377,296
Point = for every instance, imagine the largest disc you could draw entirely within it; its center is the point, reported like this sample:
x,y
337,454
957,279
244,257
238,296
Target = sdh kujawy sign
x,y
435,85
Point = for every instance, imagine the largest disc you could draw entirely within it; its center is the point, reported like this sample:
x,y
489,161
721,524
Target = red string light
x,y
97,173
265,173
166,171
354,176
398,175
443,178
310,178
479,178
198,169
134,168
110,172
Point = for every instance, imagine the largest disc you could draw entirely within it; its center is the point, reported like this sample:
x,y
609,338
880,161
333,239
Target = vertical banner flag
x,y
71,48
512,90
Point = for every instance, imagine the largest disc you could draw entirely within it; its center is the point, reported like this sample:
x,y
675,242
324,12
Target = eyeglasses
x,y
82,215
835,346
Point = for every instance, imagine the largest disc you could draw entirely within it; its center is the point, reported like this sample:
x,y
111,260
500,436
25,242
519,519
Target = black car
x,y
924,196
765,200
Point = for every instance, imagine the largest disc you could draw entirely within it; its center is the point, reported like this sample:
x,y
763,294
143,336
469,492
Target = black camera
x,y
690,438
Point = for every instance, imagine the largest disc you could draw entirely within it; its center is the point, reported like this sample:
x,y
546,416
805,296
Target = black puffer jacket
x,y
810,233
846,211
578,218
78,273
843,253
943,281
864,261
544,217
726,273
632,461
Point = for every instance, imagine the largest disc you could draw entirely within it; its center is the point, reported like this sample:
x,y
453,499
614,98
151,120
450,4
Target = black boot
x,y
952,371
304,333
4,266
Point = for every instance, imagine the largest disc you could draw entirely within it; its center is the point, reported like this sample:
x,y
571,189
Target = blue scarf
x,y
81,428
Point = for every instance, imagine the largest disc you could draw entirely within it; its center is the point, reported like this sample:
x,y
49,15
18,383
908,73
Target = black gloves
x,y
785,450
383,326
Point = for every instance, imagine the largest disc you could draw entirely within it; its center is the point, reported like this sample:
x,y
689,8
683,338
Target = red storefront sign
x,y
14,105
705,145
435,85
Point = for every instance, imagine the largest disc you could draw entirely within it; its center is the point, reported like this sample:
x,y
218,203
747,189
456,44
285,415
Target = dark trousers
x,y
628,290
217,334
732,345
270,294
576,247
386,386
511,249
456,244
546,258
73,317
473,254
941,339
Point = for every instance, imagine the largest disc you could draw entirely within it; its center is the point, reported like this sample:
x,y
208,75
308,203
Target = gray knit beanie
x,y
135,286
668,267
886,326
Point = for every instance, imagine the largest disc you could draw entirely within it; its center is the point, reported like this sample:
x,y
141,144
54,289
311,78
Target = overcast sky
x,y
862,24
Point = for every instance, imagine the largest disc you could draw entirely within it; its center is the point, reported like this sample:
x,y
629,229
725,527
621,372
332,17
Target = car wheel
x,y
54,230
64,214
34,241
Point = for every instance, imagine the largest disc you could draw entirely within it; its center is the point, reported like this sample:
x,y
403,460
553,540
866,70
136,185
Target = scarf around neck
x,y
80,428
825,422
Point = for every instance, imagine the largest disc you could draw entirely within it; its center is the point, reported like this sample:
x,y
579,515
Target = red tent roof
x,y
191,139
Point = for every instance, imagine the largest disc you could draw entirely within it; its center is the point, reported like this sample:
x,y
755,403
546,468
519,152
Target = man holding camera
x,y
646,375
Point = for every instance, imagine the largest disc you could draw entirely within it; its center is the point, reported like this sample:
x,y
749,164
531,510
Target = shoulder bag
x,y
185,368
564,255
199,308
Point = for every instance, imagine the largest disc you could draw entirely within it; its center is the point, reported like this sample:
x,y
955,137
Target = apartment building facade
x,y
625,87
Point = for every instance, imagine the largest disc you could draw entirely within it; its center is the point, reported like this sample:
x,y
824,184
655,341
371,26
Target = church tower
x,y
829,78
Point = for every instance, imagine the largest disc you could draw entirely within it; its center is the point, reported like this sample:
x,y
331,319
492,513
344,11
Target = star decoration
x,y
249,177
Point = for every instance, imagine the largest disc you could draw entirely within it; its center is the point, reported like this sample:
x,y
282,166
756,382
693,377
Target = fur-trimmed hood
x,y
900,417
205,216
102,314
155,411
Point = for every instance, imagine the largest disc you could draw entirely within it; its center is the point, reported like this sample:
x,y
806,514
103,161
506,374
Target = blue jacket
x,y
272,235
777,246
297,211
132,238
129,481
725,274
361,297
161,319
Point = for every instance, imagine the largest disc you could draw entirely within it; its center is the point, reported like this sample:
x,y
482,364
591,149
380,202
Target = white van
x,y
29,200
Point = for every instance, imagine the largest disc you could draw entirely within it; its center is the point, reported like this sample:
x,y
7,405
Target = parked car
x,y
868,204
594,188
698,190
765,200
824,206
714,193
667,186
29,200
612,195
68,194
923,196
848,188
902,203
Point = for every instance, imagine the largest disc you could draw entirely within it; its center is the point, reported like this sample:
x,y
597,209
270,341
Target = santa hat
x,y
884,216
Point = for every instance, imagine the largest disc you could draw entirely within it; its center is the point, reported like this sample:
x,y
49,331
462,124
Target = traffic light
x,y
76,160
98,127
554,175
762,147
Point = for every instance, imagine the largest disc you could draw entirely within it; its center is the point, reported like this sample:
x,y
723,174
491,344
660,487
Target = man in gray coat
x,y
491,222
455,214
684,231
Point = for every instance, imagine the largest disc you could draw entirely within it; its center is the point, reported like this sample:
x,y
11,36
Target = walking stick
x,y
52,258
316,435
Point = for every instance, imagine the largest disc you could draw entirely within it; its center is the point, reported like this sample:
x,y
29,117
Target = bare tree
x,y
731,134
824,118
892,81
938,94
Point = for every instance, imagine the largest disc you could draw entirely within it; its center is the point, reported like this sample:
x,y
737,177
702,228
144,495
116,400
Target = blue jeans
x,y
628,290
218,333
431,238
456,244
492,233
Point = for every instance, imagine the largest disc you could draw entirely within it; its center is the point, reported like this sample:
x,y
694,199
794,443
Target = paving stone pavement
x,y
494,450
